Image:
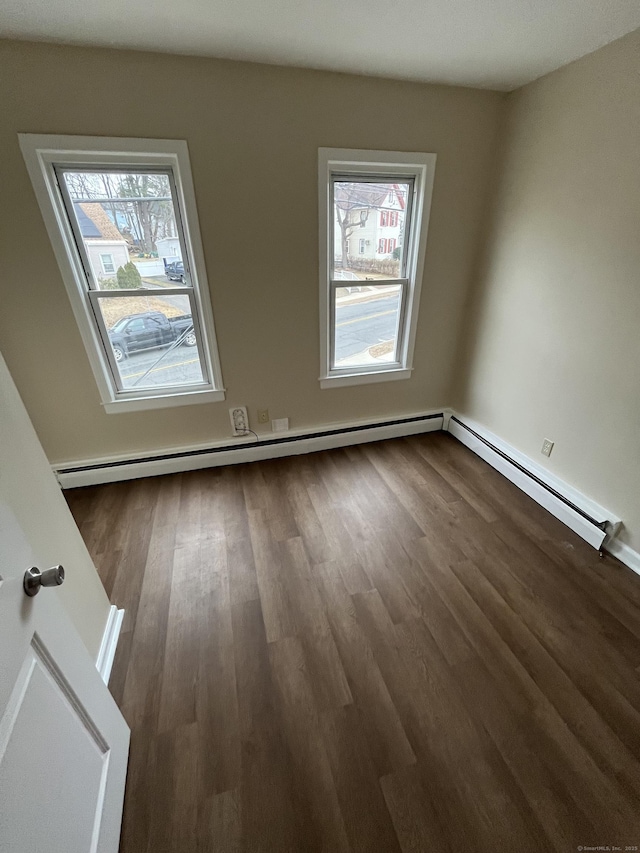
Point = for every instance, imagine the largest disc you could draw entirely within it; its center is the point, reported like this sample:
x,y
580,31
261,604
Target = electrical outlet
x,y
239,420
280,425
263,416
547,447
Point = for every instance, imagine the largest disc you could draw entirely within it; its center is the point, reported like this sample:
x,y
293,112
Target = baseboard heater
x,y
593,530
244,451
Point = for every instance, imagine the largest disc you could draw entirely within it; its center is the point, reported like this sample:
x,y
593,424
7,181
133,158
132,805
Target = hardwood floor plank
x,y
145,664
182,643
408,794
584,779
446,738
389,747
301,725
377,648
273,813
367,820
280,618
140,798
133,533
174,765
216,694
555,662
307,521
329,681
220,823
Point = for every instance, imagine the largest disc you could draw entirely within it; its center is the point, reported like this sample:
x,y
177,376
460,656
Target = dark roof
x,y
88,227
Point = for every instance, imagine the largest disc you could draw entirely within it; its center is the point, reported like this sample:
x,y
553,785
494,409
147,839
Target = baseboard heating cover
x,y
590,521
93,472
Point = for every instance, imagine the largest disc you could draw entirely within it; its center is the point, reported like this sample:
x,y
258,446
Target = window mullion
x,y
107,351
74,227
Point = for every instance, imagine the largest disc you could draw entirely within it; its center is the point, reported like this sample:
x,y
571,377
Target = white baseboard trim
x,y
109,642
624,553
270,446
537,482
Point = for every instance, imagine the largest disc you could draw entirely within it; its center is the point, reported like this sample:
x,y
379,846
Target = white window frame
x,y
42,154
104,255
355,163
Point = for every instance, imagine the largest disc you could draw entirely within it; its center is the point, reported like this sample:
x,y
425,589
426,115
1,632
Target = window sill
x,y
165,401
365,378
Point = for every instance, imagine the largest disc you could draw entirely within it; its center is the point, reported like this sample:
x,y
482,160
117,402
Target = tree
x,y
142,200
353,203
152,209
128,277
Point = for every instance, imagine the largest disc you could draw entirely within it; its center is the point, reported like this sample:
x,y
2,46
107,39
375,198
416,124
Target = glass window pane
x,y
366,325
129,218
152,339
369,225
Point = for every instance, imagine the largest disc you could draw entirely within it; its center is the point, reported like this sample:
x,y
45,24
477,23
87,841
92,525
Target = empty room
x,y
320,427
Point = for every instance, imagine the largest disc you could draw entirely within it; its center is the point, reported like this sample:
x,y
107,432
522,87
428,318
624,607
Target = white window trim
x,y
104,255
41,152
421,167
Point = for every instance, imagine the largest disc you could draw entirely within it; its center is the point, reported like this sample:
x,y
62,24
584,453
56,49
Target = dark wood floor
x,y
382,648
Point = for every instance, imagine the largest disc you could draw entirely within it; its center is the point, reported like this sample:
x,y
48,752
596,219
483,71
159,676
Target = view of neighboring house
x,y
106,247
109,248
369,223
169,249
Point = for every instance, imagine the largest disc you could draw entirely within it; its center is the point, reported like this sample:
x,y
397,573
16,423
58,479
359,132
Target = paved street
x,y
180,365
363,324
360,325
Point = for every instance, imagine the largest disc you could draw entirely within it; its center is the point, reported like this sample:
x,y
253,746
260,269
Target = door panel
x,y
63,741
44,717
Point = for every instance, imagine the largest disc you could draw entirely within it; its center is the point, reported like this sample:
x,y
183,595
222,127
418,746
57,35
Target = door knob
x,y
34,579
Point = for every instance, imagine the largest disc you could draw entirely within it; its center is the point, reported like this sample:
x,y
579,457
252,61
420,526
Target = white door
x,y
63,741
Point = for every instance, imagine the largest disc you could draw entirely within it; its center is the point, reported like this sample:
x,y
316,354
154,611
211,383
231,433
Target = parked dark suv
x,y
174,271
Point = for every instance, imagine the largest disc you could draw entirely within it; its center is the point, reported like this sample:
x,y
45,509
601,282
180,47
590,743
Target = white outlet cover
x,y
239,420
547,447
280,424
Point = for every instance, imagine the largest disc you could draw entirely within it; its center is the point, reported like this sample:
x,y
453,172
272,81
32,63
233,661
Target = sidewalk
x,y
364,357
364,295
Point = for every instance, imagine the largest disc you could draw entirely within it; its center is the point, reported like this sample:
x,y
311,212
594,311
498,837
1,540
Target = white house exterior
x,y
379,233
169,249
105,256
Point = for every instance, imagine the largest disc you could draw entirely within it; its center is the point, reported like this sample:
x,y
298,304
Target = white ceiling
x,y
498,44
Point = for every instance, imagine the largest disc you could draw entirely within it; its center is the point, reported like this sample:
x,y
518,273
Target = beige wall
x,y
554,328
30,494
253,133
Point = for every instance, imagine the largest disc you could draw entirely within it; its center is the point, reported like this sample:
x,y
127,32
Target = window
x,y
389,217
149,336
107,264
368,336
387,245
361,246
